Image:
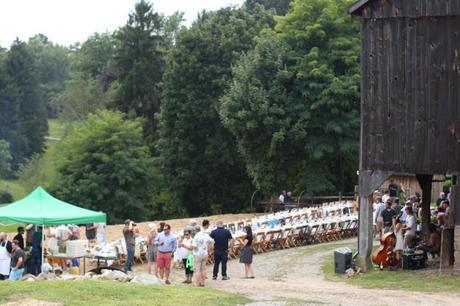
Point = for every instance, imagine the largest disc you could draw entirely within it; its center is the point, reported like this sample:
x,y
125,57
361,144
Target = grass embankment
x,y
425,280
9,227
40,170
114,293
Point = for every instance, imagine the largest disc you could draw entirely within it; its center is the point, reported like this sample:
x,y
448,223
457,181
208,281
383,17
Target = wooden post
x,y
363,260
425,182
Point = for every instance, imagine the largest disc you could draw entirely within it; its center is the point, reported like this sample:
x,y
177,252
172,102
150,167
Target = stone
x,y
27,276
89,275
95,277
30,279
46,276
115,275
146,279
350,272
68,277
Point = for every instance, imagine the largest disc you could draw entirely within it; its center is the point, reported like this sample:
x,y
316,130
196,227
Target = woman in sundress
x,y
247,252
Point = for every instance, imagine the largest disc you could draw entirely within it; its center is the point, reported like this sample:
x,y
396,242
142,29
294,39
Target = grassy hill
x,y
40,170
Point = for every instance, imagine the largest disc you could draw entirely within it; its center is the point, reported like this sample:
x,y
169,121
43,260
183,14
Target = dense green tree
x,y
105,165
267,117
8,108
280,7
5,159
202,167
52,64
23,119
93,59
171,26
294,104
139,64
81,97
94,55
5,197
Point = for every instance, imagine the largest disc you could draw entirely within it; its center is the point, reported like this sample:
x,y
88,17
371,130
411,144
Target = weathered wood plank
x,y
419,96
451,90
385,95
454,127
410,8
441,101
410,94
379,106
365,95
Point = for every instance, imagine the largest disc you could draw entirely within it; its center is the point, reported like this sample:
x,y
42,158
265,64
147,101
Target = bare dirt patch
x,y
32,302
294,276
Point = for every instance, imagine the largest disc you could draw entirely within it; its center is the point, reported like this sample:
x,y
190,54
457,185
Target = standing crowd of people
x,y
194,247
20,256
405,220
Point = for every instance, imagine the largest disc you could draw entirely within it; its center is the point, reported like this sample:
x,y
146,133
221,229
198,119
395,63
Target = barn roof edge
x,y
355,9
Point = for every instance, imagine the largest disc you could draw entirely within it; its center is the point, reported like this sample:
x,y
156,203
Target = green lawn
x,y
15,187
9,228
426,280
114,293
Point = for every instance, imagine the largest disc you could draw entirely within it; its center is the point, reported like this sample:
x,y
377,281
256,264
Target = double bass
x,y
385,256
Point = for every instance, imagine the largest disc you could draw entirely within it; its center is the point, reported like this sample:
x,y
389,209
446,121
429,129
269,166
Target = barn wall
x,y
410,110
410,8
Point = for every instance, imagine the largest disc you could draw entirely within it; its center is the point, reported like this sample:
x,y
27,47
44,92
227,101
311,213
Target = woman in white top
x,y
409,227
100,233
187,257
397,225
151,248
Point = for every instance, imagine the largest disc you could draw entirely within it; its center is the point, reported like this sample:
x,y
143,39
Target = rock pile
x,y
106,274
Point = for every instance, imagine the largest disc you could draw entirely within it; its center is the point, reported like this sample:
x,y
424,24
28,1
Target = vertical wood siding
x,y
411,88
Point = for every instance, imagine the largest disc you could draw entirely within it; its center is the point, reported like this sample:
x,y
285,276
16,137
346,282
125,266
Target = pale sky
x,y
68,21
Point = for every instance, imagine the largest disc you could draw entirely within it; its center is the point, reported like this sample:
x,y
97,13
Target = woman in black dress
x,y
246,253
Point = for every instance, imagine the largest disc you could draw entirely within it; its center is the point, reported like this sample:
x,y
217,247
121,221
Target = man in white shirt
x,y
378,208
201,243
385,196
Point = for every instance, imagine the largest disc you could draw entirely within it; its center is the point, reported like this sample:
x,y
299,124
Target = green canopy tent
x,y
39,207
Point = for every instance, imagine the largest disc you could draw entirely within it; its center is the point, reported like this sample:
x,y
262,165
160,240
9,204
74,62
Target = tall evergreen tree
x,y
201,164
23,117
139,64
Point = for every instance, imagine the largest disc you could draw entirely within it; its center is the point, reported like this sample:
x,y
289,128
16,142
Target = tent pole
x,y
43,247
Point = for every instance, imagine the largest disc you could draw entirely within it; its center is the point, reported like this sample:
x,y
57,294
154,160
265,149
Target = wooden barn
x,y
410,103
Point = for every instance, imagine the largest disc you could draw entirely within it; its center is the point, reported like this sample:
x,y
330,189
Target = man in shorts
x,y
17,261
167,245
201,243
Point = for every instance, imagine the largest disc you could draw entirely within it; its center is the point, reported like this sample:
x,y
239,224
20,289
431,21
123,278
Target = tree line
x,y
165,120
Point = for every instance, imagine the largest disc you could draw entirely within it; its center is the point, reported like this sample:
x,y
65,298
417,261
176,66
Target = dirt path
x,y
295,276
